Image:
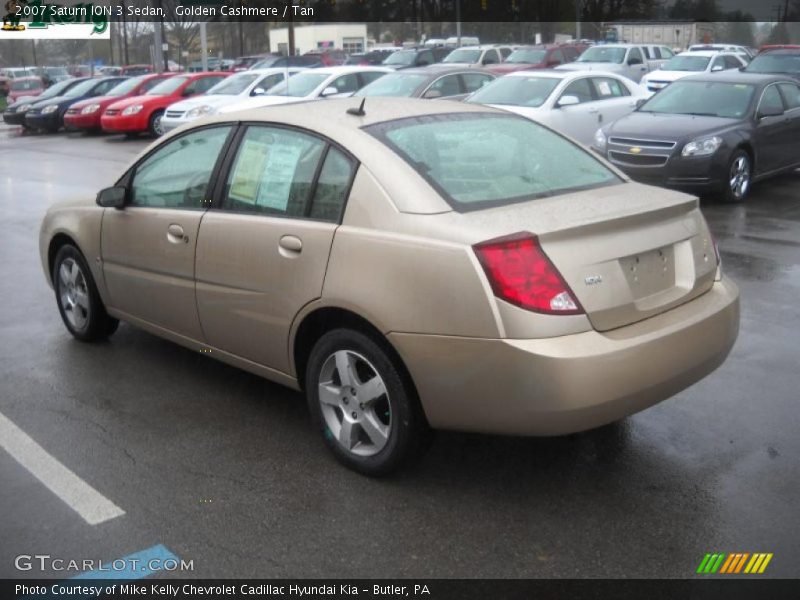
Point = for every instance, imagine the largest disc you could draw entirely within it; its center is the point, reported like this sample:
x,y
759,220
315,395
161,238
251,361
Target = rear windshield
x,y
484,160
686,63
398,85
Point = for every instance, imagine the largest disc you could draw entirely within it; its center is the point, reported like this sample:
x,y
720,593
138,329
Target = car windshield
x,y
463,55
772,62
702,98
401,57
167,87
81,89
56,71
298,86
603,54
57,88
527,56
400,85
516,91
124,87
482,160
686,63
233,85
26,84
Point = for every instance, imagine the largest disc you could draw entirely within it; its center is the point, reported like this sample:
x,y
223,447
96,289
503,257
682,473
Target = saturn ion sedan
x,y
407,264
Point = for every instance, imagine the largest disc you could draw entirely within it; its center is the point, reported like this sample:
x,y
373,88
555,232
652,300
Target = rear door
x,y
263,249
614,100
791,98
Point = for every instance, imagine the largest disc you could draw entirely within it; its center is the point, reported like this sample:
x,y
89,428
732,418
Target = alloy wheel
x,y
354,403
740,176
73,293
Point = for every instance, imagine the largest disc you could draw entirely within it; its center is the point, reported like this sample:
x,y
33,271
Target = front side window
x,y
483,160
475,81
234,85
580,89
771,99
635,57
345,83
177,174
394,84
445,86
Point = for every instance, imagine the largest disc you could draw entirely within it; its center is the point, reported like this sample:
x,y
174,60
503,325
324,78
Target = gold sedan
x,y
411,265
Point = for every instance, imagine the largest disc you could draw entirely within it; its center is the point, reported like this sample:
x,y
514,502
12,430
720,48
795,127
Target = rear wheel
x,y
368,415
154,126
78,301
740,172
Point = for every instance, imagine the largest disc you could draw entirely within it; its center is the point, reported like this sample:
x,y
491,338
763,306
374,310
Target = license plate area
x,y
651,272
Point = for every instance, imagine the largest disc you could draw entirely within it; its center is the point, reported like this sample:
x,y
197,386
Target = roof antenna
x,y
358,112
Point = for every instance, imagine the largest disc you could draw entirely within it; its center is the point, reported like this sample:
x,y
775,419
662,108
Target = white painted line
x,y
78,495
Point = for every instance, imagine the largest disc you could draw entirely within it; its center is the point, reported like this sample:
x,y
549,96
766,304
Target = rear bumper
x,y
562,385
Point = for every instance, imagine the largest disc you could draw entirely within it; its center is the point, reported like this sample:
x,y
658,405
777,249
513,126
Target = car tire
x,y
739,177
154,124
77,298
376,433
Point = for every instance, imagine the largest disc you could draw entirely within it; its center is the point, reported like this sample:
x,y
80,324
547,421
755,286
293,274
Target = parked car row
x,y
719,129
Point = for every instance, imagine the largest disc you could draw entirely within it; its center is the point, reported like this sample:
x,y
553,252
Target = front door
x,y
148,247
771,132
262,253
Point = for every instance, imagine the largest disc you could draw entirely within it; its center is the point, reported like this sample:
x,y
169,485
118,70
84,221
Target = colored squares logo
x,y
734,563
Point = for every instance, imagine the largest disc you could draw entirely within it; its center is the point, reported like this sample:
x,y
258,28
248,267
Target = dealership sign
x,y
35,19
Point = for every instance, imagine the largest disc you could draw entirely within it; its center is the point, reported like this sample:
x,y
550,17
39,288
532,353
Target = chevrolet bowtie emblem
x,y
635,150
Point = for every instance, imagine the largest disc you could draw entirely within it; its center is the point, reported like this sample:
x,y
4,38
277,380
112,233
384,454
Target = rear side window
x,y
332,187
475,81
273,172
791,95
607,88
483,160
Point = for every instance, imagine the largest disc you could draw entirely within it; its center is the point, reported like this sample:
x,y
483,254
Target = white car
x,y
688,63
573,103
326,82
231,90
476,56
630,60
744,53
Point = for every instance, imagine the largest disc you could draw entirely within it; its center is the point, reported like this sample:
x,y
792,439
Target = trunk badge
x,y
593,280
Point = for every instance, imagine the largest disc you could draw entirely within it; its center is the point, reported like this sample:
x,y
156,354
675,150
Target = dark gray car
x,y
710,134
454,83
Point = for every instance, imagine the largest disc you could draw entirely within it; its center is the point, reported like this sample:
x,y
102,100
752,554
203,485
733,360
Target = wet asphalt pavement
x,y
223,469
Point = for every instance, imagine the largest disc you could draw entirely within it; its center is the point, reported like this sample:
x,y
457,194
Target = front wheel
x,y
740,172
154,126
78,301
368,415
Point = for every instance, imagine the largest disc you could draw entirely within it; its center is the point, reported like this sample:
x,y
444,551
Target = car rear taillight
x,y
521,273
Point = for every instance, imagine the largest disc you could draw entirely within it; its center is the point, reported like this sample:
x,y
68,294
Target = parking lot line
x,y
74,491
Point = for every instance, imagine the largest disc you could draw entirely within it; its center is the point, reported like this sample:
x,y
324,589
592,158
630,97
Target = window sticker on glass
x,y
278,175
604,88
249,169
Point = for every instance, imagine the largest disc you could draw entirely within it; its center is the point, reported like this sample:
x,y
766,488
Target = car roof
x,y
706,53
271,70
563,74
737,76
345,69
438,71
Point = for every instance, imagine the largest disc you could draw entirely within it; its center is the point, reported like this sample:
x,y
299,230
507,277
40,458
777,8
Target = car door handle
x,y
592,110
175,234
290,245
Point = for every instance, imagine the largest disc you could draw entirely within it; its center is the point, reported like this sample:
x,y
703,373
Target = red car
x,y
143,113
25,86
86,113
536,57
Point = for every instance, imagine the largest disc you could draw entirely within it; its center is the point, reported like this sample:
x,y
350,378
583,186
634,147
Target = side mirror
x,y
432,94
258,91
112,197
329,91
716,68
568,101
769,111
640,102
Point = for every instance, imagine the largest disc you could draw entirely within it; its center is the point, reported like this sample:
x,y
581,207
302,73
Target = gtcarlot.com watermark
x,y
46,562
